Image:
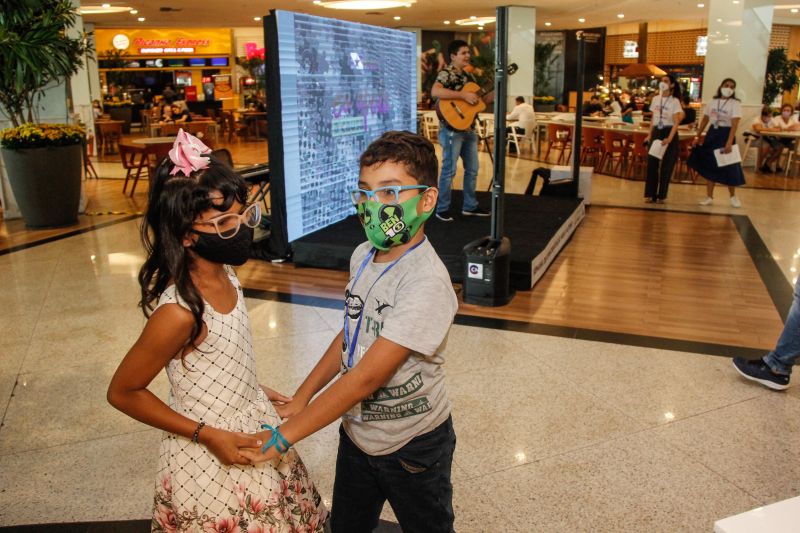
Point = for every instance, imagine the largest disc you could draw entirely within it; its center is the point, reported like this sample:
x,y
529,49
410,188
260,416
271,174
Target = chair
x,y
750,139
109,134
592,145
684,150
431,124
168,130
153,154
615,145
638,153
88,167
559,137
133,160
198,129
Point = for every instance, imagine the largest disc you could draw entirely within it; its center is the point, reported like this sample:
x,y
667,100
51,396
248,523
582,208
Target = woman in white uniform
x,y
667,115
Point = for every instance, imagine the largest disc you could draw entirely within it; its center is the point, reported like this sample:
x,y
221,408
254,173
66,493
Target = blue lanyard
x,y
351,343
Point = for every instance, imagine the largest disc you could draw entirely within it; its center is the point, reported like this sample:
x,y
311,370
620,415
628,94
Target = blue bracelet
x,y
277,440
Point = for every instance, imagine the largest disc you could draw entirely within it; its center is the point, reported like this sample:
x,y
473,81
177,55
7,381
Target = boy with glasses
x,y
396,440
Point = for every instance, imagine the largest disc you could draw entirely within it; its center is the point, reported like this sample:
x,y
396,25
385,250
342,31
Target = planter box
x,y
544,108
46,183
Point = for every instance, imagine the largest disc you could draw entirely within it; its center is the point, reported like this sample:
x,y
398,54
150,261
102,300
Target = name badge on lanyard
x,y
352,353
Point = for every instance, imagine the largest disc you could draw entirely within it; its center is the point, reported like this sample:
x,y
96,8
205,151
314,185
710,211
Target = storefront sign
x,y
630,50
702,46
165,41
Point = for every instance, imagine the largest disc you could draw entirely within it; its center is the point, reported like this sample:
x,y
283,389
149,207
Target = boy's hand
x,y
228,446
291,408
275,397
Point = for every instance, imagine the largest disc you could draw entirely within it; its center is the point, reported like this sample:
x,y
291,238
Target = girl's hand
x,y
255,455
667,140
728,148
227,445
275,397
699,140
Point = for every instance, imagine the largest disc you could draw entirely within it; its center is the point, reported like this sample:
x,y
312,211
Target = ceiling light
x,y
365,4
701,5
621,15
134,11
396,18
102,9
473,17
318,2
140,19
480,27
581,19
794,10
256,18
548,23
735,1
447,22
475,21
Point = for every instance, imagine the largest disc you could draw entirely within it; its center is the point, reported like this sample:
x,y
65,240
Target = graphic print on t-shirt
x,y
372,409
353,304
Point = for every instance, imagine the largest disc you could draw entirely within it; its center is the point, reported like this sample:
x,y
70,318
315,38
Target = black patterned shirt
x,y
452,79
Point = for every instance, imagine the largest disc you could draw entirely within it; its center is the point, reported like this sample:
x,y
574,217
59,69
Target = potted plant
x,y
544,58
781,75
43,162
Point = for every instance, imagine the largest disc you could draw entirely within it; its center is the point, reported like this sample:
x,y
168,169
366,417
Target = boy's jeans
x,y
415,479
457,144
787,350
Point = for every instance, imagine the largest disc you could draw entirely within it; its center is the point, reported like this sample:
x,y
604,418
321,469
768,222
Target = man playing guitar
x,y
455,144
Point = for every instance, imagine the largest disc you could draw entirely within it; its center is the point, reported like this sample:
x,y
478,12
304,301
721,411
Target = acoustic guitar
x,y
460,115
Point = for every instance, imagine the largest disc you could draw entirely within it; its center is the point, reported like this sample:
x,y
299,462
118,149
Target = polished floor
x,y
555,433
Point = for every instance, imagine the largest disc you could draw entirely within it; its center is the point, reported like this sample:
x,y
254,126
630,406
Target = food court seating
x,y
132,156
431,125
615,149
592,146
638,152
559,137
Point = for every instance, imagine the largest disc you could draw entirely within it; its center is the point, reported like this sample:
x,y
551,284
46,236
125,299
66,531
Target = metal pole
x,y
498,181
576,134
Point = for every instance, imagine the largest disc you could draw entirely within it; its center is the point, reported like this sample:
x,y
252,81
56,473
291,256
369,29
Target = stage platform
x,y
537,226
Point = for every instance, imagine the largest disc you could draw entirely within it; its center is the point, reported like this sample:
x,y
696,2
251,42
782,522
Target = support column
x,y
738,44
521,50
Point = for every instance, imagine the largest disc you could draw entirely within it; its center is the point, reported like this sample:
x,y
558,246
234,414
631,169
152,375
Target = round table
x,y
147,141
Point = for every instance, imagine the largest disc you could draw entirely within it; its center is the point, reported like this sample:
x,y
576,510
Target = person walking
x,y
775,369
723,113
667,114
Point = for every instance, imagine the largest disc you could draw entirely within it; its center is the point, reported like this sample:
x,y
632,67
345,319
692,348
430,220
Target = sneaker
x,y
735,201
707,201
760,372
477,212
444,216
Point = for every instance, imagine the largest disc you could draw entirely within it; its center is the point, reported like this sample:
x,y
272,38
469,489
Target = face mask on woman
x,y
786,115
726,92
663,86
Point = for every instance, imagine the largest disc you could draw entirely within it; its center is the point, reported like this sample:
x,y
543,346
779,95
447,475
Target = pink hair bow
x,y
187,154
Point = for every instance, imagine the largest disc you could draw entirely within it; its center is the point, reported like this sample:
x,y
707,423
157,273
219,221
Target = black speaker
x,y
487,266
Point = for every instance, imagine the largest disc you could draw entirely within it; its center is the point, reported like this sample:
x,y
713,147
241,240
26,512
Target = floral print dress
x,y
216,383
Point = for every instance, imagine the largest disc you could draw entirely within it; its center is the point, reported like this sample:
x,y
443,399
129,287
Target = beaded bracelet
x,y
277,440
196,435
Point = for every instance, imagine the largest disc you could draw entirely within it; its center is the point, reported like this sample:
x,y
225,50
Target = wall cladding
x,y
663,48
779,37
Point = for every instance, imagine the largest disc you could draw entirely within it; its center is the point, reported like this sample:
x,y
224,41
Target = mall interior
x,y
602,397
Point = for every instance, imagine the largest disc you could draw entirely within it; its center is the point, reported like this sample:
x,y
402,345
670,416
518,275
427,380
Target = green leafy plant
x,y
117,59
543,63
781,74
41,135
35,51
482,59
544,100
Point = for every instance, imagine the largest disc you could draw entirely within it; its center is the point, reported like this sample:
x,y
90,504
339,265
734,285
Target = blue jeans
x,y
787,350
457,144
415,479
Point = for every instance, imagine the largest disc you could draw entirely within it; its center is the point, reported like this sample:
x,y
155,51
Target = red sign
x,y
191,93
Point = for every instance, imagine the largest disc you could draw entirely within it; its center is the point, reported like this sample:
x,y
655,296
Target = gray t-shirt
x,y
412,305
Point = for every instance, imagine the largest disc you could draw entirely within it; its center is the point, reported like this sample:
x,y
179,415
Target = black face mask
x,y
234,251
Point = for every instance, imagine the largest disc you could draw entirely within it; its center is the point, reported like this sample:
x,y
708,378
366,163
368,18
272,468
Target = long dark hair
x,y
676,87
173,205
719,89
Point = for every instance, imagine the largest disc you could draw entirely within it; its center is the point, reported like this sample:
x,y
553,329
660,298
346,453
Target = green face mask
x,y
391,225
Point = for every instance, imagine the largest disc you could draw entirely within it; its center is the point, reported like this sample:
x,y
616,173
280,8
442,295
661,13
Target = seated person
x,y
626,107
593,108
786,121
525,117
689,113
97,109
614,106
171,114
769,148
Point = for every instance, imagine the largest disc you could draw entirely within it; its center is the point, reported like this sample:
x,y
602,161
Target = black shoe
x,y
445,216
778,170
764,169
477,212
760,372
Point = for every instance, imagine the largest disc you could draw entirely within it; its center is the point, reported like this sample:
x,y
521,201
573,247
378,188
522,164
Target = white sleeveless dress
x,y
217,384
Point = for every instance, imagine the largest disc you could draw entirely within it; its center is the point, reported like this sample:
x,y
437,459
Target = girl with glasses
x,y
198,223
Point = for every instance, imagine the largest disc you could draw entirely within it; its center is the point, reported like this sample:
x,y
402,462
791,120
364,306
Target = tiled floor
x,y
554,434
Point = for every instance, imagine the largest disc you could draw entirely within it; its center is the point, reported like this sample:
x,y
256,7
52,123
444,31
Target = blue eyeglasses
x,y
385,195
